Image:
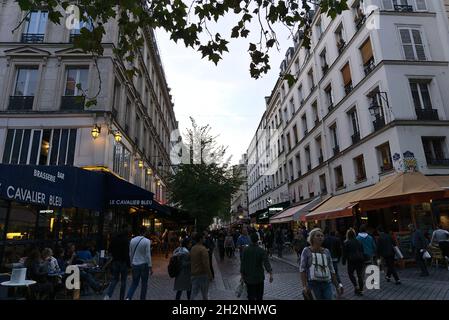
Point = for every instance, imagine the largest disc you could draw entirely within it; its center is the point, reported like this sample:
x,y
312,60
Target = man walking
x,y
119,249
140,258
368,243
385,249
200,267
243,241
419,245
210,245
252,265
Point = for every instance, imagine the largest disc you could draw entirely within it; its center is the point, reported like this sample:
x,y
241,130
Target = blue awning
x,y
120,192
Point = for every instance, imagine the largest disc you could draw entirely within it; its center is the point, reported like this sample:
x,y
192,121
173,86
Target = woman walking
x,y
182,280
353,254
317,271
229,245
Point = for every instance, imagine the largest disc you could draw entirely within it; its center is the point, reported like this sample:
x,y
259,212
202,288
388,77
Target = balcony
x,y
348,88
72,103
369,66
379,123
336,150
32,38
359,21
355,137
317,121
320,159
341,46
438,162
325,68
403,8
309,167
306,132
21,103
323,192
427,114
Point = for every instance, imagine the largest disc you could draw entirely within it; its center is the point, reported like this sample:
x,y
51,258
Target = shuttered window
x,y
346,72
412,44
367,51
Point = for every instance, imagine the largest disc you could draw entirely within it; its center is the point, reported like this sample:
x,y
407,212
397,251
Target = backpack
x,y
319,270
174,266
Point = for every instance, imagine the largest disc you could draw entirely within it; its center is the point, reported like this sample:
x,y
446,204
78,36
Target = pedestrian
x,y
316,269
200,268
440,239
229,245
252,265
368,243
353,255
243,241
119,250
141,265
183,280
279,239
333,244
268,241
220,243
210,245
385,249
419,246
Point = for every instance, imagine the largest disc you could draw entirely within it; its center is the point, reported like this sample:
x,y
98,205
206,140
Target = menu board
x,y
404,240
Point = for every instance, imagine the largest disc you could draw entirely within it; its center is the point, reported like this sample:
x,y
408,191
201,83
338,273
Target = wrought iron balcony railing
x,y
369,66
21,103
72,103
355,137
403,8
427,114
32,37
379,123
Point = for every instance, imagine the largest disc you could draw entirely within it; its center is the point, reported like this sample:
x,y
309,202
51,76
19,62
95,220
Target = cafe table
x,y
15,285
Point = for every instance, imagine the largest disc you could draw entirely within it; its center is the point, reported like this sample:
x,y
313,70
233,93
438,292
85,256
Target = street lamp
x,y
140,164
95,132
117,136
149,171
376,108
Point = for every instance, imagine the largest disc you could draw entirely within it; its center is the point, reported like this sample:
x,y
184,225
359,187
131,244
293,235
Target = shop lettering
x,y
25,195
55,201
44,176
131,202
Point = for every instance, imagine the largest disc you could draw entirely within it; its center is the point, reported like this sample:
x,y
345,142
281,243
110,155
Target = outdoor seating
x,y
437,256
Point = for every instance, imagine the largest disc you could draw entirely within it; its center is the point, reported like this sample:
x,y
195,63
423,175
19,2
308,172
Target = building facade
x,y
43,116
239,201
370,97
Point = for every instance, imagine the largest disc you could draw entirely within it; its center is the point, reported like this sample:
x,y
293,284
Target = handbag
x,y
397,253
240,289
426,255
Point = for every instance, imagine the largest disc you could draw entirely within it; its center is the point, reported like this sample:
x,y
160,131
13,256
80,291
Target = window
x,y
300,95
126,115
367,56
359,16
334,138
292,106
412,44
276,120
40,147
323,60
137,132
359,164
286,117
404,5
319,29
315,112
308,160
288,142
384,157
122,160
26,81
295,133
76,31
290,164
347,81
340,39
117,97
420,94
311,80
434,150
354,123
319,150
35,24
323,186
298,164
75,78
304,124
329,97
338,173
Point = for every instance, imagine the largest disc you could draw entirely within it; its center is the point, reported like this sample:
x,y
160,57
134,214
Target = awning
x,y
294,213
120,192
338,206
403,188
441,181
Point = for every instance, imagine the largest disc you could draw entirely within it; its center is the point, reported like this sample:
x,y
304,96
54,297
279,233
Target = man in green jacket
x,y
253,261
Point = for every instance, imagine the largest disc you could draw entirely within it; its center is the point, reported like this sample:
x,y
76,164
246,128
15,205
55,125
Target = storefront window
x,y
423,216
47,224
71,224
22,222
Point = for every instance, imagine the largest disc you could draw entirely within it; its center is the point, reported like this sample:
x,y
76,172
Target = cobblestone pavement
x,y
287,284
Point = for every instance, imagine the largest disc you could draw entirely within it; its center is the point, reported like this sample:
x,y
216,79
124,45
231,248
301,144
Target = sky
x,y
223,96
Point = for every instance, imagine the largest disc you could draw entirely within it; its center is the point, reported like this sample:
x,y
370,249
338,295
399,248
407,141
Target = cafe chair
x,y
437,256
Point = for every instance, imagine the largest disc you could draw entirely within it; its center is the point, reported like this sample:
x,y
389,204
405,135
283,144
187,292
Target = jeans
x,y
391,270
119,270
255,291
200,283
179,295
140,271
322,290
358,268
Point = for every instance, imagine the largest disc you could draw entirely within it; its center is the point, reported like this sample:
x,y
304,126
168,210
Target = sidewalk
x,y
413,287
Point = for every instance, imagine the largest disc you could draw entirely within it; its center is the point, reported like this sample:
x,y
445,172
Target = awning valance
x,y
295,213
